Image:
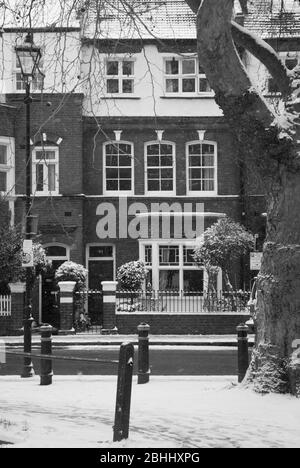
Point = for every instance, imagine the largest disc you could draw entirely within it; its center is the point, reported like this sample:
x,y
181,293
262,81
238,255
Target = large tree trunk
x,y
272,145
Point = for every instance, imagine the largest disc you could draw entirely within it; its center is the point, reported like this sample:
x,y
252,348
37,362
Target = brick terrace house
x,y
132,120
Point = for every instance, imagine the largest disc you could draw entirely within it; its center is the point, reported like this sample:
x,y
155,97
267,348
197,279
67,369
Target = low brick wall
x,y
184,324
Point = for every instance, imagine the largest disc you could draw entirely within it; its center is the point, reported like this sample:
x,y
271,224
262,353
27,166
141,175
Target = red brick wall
x,y
164,324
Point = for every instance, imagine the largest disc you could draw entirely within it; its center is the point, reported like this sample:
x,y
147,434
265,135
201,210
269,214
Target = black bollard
x,y
28,370
46,348
143,355
124,388
243,351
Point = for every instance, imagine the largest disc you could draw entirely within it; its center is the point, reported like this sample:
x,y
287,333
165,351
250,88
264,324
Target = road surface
x,y
165,360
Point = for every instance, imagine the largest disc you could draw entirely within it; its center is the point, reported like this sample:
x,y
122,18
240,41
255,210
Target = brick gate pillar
x,y
17,305
109,289
67,306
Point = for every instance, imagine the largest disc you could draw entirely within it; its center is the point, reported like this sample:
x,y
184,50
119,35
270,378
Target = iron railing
x,y
181,302
5,306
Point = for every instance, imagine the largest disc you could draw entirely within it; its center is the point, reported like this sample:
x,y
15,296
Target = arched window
x,y
202,168
118,168
160,168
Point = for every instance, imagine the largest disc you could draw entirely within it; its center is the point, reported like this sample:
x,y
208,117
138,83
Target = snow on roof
x,y
163,19
274,18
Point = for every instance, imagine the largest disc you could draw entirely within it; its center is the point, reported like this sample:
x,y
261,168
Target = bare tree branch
x,y
265,54
223,66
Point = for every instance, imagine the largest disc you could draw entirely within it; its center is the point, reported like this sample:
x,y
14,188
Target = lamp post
x,y
28,56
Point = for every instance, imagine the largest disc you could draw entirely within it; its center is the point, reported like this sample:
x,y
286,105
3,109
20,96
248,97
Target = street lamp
x,y
28,56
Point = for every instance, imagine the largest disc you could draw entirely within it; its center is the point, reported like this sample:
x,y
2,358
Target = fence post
x,y
123,401
143,354
46,348
109,289
243,351
67,306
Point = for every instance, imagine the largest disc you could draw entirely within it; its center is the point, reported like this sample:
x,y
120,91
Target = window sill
x,y
118,194
181,96
121,96
202,194
48,194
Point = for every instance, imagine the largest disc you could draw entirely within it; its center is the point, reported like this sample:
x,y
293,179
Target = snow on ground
x,y
191,412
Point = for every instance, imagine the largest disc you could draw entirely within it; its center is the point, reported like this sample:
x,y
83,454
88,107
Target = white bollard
x,y
2,352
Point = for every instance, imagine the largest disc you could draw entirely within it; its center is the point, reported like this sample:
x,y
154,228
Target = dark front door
x,y
99,270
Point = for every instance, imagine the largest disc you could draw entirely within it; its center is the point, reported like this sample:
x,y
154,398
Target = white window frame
x,y
120,77
132,167
58,257
45,163
39,78
181,76
156,267
202,193
159,193
9,167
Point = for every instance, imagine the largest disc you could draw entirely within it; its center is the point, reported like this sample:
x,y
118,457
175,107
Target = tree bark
x,y
273,146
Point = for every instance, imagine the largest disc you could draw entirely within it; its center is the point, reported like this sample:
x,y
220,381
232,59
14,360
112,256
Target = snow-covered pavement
x,y
191,412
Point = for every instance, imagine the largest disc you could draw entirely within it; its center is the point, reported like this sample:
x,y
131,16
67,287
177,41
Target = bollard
x,y
123,401
46,348
28,370
143,354
243,351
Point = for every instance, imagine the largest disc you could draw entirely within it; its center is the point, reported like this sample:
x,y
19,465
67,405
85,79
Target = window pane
x,y
169,280
208,149
111,160
188,256
208,160
56,251
204,86
196,186
112,68
125,173
167,185
167,173
125,185
51,178
153,185
148,254
112,149
188,85
193,280
172,86
101,251
168,255
112,185
195,149
195,173
39,177
195,161
128,68
112,173
166,161
3,154
208,185
46,155
188,67
124,149
172,67
153,173
112,86
127,86
3,182
153,161
166,149
125,161
153,149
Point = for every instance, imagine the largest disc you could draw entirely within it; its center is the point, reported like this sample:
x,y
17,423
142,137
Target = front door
x,y
99,270
50,297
